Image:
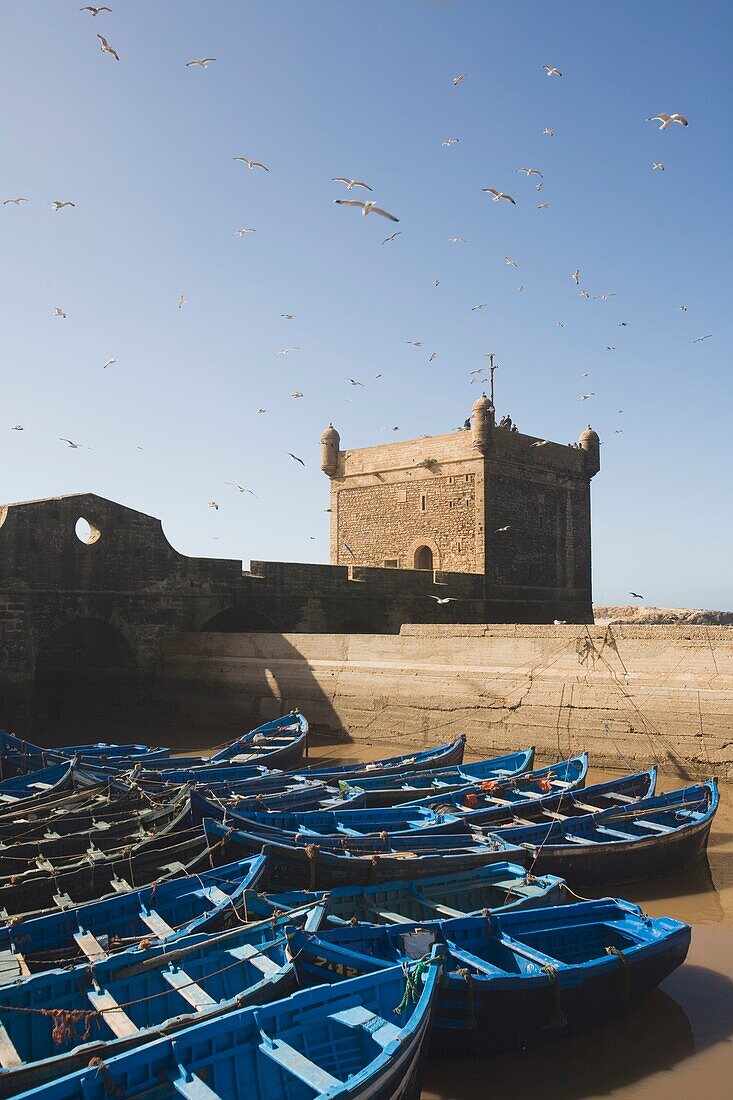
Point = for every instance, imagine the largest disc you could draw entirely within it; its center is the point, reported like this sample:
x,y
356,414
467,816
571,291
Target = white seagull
x,y
298,393
243,232
450,141
109,363
459,79
576,276
433,355
531,172
106,48
252,163
500,529
17,428
181,302
288,316
214,505
586,396
658,164
287,351
242,488
667,120
442,599
14,202
58,312
202,62
391,237
700,339
415,343
351,184
549,131
510,261
354,382
551,70
56,205
366,208
481,305
540,443
295,458
95,11
543,206
498,195
456,240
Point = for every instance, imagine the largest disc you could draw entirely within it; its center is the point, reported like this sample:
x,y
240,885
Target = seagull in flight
x,y
243,232
609,347
353,382
481,305
56,205
106,48
181,302
14,202
549,131
109,363
242,488
298,393
576,276
392,236
288,316
551,70
58,312
262,411
498,195
584,294
295,458
586,396
415,343
543,206
433,355
351,184
531,172
252,163
667,120
499,530
700,339
202,62
682,309
658,164
348,549
366,208
510,261
72,444
602,297
540,443
637,596
455,240
442,599
459,79
450,141
17,428
95,11
559,324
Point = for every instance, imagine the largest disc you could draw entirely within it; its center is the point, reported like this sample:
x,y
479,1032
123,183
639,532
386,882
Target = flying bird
x,y
433,355
442,599
576,276
242,488
586,396
700,339
295,458
14,202
499,530
287,351
540,443
538,186
243,232
252,163
602,297
559,324
351,184
354,382
551,70
288,316
74,446
17,428
392,236
95,11
510,261
298,393
543,206
56,205
181,302
456,240
658,164
109,363
498,195
214,505
520,288
584,294
348,549
106,48
415,343
609,347
531,172
667,120
366,208
481,305
549,131
637,596
262,410
436,282
459,79
450,141
58,312
682,309
202,62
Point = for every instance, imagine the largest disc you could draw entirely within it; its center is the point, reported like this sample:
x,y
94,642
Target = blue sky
x,y
145,148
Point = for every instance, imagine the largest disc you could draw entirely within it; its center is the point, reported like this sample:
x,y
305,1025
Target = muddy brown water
x,y
677,1043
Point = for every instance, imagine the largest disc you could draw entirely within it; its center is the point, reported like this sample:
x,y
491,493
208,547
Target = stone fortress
x,y
510,507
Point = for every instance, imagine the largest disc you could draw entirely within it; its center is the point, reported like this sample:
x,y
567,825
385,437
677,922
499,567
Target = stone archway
x,y
233,620
85,685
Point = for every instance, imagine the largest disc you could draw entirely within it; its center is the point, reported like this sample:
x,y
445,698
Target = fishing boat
x,y
53,1023
520,803
426,760
407,785
343,821
17,755
516,978
203,902
496,888
652,837
350,861
344,1042
297,798
32,784
155,860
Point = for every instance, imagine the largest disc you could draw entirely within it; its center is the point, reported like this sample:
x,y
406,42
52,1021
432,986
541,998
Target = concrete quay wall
x,y
631,695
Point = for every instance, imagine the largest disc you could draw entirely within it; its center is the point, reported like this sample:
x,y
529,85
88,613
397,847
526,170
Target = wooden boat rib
x,y
344,1041
518,978
652,837
125,1000
169,910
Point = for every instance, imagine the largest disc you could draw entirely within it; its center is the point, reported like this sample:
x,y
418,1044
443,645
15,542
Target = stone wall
x,y
631,695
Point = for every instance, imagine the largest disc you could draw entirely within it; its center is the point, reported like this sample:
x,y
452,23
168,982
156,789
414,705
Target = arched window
x,y
423,558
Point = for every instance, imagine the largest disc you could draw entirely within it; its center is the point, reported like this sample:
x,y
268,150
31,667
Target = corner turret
x,y
482,421
330,442
591,444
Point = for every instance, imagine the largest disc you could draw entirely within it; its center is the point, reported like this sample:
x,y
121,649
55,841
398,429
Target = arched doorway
x,y
423,558
85,685
238,621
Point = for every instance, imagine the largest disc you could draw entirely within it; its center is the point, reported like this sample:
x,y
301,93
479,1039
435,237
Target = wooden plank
x,y
89,945
197,997
296,1063
250,954
193,1088
382,1031
115,1017
156,924
216,895
9,1057
654,826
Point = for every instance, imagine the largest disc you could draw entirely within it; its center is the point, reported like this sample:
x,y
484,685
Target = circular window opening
x,y
86,532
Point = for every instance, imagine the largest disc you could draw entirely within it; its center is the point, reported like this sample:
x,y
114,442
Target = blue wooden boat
x,y
523,803
68,811
204,902
427,759
517,978
316,823
277,744
565,775
496,888
406,785
150,861
343,1042
122,1001
652,837
17,755
30,785
349,861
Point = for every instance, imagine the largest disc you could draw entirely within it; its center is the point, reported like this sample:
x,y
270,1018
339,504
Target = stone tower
x,y
512,507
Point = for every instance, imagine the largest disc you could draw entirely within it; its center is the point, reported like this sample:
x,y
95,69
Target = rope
x,y
109,1085
412,982
311,851
624,969
559,1019
468,978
